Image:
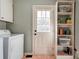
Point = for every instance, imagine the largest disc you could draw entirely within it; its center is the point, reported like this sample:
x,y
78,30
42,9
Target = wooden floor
x,y
41,57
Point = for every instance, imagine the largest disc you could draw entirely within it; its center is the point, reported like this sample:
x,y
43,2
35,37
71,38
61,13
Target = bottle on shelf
x,y
67,31
69,21
61,31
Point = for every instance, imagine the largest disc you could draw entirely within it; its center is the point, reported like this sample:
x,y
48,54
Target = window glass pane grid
x,y
43,21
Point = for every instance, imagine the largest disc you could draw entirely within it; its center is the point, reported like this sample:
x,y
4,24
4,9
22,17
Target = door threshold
x,y
28,56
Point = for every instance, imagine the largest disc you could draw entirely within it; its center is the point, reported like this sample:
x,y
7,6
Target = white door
x,y
6,10
43,29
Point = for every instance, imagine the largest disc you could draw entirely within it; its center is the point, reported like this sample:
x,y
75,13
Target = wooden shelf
x,y
65,35
64,24
64,46
65,39
61,1
65,6
64,55
64,13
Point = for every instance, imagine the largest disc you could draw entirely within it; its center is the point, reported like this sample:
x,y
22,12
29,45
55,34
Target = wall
x,y
2,25
23,19
77,24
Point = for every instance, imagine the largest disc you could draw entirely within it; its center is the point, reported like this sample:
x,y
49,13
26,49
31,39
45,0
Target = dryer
x,y
12,45
1,48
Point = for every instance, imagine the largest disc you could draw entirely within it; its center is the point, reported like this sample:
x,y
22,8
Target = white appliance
x,y
11,45
1,48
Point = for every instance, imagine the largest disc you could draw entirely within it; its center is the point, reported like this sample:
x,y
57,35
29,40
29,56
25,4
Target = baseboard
x,y
28,54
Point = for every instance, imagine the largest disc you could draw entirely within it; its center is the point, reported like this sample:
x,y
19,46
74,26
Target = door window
x,y
43,21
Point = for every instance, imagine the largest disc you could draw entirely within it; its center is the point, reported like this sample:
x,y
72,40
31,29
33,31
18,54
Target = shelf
x,y
65,39
64,13
64,55
64,24
61,1
64,6
64,46
65,35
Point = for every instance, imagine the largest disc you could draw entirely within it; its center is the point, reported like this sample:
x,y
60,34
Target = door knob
x,y
35,34
35,30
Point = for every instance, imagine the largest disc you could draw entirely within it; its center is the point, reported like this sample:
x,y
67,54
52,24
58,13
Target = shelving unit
x,y
65,29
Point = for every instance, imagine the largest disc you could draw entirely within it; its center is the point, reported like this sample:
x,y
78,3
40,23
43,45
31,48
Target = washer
x,y
11,45
1,48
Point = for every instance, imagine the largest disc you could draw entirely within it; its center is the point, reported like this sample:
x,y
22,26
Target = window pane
x,y
43,13
48,14
38,13
43,21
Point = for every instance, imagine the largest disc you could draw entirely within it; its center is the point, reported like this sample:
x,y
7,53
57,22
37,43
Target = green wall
x,y
2,25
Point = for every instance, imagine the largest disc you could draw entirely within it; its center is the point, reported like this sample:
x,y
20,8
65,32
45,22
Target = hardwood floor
x,y
40,57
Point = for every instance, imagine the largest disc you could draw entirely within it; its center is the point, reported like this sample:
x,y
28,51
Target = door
x,y
43,29
6,10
